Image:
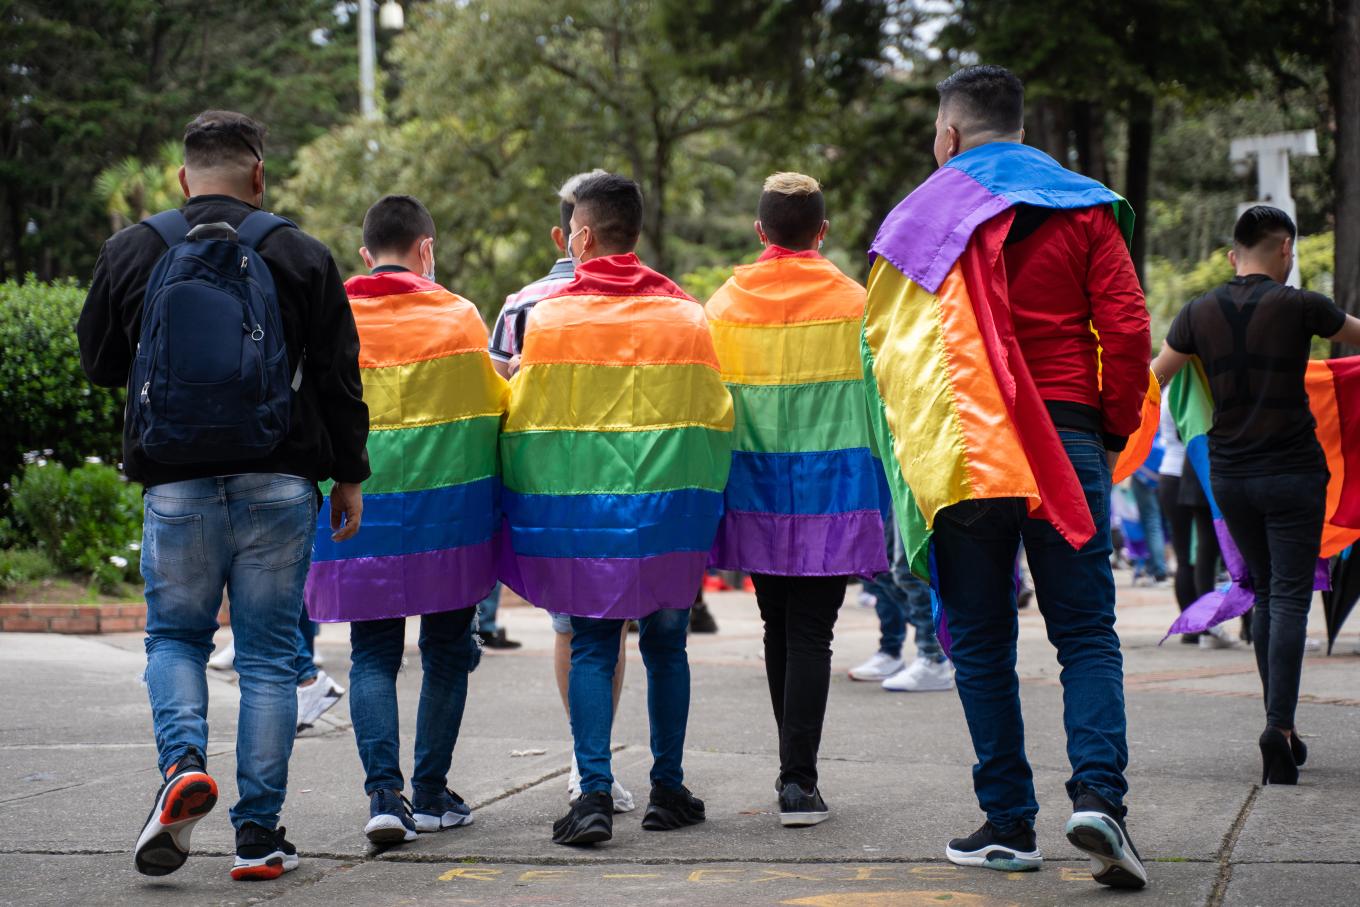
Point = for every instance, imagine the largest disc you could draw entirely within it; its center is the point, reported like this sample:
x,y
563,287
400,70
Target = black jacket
x,y
329,430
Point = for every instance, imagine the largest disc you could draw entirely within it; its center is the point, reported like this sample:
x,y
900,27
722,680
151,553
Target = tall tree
x,y
1344,77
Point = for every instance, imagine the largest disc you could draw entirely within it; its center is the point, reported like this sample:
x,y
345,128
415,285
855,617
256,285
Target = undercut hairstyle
x,y
791,210
611,205
395,223
567,197
223,138
1261,222
988,98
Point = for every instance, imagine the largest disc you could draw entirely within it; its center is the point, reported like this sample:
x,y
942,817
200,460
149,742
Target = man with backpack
x,y
231,330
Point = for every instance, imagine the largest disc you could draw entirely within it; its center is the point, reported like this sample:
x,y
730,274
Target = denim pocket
x,y
173,539
283,530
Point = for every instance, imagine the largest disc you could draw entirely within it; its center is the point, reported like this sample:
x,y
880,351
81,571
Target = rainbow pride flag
x,y
616,446
806,496
1333,387
954,409
431,507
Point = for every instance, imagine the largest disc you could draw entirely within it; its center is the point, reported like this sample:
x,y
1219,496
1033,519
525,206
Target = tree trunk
x,y
1345,85
1046,127
1137,173
1088,129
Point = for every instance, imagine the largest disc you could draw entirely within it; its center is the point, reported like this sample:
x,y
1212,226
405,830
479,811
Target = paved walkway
x,y
77,775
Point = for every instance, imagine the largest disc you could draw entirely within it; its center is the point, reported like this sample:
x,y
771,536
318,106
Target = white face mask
x,y
570,253
429,275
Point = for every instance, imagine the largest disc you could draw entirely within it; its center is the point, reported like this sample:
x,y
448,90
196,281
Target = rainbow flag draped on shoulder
x,y
956,413
616,446
1333,387
431,506
806,496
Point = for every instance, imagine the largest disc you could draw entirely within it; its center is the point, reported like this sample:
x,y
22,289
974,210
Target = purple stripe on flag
x,y
404,585
927,232
833,544
620,588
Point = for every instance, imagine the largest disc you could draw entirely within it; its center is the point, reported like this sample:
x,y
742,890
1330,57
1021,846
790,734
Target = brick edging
x,y
19,618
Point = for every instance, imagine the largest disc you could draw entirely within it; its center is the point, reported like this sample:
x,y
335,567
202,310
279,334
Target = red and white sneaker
x,y
262,854
188,794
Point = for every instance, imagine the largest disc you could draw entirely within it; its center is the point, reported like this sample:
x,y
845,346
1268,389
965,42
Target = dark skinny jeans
x,y
1276,522
1194,576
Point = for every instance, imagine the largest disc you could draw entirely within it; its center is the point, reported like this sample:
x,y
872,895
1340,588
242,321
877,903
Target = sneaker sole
x,y
163,845
994,856
428,824
1097,836
264,869
388,830
940,689
803,820
668,820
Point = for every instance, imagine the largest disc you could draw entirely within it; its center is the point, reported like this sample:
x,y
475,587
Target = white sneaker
x,y
1217,638
318,660
315,699
623,798
226,659
922,676
880,667
866,599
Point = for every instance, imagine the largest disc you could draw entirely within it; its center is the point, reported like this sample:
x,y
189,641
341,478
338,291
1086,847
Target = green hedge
x,y
49,404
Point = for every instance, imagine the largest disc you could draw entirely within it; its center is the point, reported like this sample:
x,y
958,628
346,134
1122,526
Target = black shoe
x,y
1277,759
1189,639
589,821
262,854
701,619
1298,748
1016,852
671,809
188,794
497,640
799,808
1097,828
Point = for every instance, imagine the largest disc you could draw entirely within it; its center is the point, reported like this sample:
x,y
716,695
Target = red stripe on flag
x,y
1346,384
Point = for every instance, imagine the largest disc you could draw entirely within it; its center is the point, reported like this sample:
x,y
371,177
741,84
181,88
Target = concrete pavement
x,y
77,774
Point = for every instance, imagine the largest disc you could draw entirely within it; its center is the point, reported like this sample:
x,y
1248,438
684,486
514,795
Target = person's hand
x,y
347,510
514,365
1111,457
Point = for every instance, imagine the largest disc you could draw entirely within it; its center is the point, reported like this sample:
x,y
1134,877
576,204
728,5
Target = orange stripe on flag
x,y
619,330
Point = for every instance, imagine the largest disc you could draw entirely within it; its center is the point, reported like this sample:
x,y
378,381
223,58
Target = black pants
x,y
1276,522
1194,576
800,619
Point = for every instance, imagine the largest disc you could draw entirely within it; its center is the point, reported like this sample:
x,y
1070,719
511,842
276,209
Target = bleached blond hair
x,y
567,193
787,182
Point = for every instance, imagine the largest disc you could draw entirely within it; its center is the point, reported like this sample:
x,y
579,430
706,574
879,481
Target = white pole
x,y
367,61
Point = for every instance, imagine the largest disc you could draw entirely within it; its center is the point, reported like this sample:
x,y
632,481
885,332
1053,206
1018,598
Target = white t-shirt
x,y
1173,457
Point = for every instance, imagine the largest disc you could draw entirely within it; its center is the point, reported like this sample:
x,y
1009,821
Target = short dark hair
x,y
1260,222
993,97
791,210
612,206
218,137
395,223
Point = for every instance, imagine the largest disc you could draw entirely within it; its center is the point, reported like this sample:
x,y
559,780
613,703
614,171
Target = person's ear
x,y
1022,135
367,256
426,252
559,239
1287,247
587,235
821,234
1232,258
257,180
184,182
760,233
955,140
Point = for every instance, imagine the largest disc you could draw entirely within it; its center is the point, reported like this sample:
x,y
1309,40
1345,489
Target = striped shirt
x,y
507,336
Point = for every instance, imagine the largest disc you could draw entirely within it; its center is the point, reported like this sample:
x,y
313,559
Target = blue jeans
x,y
486,611
975,544
903,598
1150,518
590,693
251,534
306,666
448,654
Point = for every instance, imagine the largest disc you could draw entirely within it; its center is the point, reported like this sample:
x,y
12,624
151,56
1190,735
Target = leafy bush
x,y
19,566
49,403
83,520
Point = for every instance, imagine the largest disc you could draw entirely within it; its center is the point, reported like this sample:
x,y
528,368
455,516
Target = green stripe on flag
x,y
1190,402
615,462
799,418
432,456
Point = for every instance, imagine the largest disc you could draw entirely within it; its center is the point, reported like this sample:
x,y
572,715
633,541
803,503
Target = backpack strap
x,y
257,226
170,226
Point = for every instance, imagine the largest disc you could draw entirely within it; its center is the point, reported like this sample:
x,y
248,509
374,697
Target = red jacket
x,y
1072,274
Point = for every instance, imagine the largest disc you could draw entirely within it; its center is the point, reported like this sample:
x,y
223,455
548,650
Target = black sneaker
x,y
1016,852
389,818
799,808
497,640
671,809
188,794
1097,828
589,821
262,854
701,619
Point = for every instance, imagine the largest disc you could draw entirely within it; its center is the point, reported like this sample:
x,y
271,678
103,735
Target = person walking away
x,y
615,451
230,328
1267,470
1014,265
507,346
804,502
